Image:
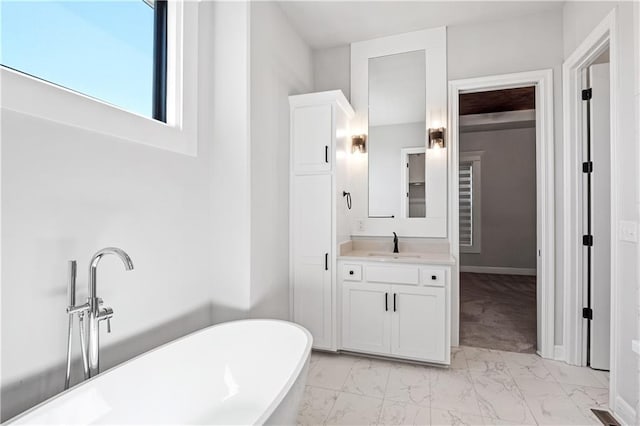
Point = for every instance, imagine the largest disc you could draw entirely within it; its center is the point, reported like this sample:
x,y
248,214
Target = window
x,y
469,201
114,51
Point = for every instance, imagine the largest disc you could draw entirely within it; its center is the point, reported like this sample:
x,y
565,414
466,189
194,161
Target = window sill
x,y
31,96
470,250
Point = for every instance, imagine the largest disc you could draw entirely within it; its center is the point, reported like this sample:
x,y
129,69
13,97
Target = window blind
x,y
466,204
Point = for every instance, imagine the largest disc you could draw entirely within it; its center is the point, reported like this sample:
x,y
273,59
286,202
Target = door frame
x,y
545,189
603,36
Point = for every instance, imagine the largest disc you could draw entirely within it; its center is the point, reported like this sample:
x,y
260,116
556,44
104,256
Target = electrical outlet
x,y
629,231
360,225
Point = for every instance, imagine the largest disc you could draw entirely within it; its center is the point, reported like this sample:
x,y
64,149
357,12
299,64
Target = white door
x,y
312,257
366,319
312,138
600,218
418,322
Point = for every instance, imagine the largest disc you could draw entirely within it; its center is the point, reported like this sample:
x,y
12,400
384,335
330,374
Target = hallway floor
x,y
482,387
498,312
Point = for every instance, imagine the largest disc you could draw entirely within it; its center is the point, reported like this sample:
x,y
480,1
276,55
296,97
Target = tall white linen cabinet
x,y
320,143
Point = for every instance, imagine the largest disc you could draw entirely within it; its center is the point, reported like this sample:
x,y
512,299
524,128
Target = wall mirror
x,y
397,135
399,91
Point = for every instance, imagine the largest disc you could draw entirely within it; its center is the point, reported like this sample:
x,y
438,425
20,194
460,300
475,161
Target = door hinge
x,y
587,240
586,94
587,167
587,313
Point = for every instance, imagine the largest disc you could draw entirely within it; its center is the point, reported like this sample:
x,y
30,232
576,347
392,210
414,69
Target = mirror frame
x,y
434,43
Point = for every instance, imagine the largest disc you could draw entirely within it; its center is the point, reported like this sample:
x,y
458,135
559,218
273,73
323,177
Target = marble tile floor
x,y
482,387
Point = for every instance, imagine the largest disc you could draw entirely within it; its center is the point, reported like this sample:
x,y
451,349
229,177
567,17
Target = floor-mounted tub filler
x,y
242,372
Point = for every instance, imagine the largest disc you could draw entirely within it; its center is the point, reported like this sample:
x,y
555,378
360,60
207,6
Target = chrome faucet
x,y
395,243
96,312
93,309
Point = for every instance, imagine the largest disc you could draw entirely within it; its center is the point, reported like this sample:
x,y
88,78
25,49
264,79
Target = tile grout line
x,y
384,394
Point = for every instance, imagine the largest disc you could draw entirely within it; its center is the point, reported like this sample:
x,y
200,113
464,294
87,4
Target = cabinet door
x,y
366,319
312,138
418,322
311,229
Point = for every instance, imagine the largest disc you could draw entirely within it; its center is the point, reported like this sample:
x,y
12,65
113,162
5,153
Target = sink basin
x,y
396,255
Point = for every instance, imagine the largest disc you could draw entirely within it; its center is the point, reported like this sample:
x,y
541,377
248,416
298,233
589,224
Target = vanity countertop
x,y
406,257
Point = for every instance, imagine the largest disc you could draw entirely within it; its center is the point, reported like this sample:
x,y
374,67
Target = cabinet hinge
x,y
587,167
586,94
587,240
587,313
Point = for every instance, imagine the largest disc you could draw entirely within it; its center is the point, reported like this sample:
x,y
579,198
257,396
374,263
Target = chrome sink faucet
x,y
93,309
395,243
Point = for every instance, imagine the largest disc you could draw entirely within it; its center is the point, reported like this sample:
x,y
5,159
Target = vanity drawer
x,y
435,277
392,274
352,272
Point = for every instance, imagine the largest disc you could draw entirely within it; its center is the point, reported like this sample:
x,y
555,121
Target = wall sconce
x,y
436,138
359,143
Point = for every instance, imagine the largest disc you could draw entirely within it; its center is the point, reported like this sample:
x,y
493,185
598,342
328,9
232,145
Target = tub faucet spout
x,y
96,311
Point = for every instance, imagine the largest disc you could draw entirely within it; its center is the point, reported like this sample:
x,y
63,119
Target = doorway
x,y
596,208
497,219
542,82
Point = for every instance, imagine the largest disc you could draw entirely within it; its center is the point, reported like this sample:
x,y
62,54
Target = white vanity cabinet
x,y
318,126
398,310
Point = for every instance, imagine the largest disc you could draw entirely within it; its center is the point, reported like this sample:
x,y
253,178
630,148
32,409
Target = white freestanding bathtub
x,y
242,372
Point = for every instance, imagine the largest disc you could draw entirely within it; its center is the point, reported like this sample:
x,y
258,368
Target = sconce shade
x,y
359,143
436,138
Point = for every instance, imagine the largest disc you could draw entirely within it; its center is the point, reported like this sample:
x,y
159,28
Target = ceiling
x,y
523,98
333,23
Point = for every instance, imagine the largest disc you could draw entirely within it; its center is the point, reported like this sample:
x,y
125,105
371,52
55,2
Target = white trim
x,y
38,98
624,411
558,352
543,81
500,270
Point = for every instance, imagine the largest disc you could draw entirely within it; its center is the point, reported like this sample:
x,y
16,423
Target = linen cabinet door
x,y
418,327
312,138
366,322
311,251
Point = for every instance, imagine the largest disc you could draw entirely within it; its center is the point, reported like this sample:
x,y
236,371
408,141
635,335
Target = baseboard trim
x,y
558,352
498,270
624,412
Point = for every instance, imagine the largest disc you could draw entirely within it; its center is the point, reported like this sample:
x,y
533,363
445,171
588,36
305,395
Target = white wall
x,y
67,192
281,65
579,19
332,69
508,194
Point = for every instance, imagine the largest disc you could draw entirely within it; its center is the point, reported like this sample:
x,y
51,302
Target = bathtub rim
x,y
260,420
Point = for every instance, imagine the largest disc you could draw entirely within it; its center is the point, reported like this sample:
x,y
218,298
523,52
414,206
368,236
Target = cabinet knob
x,y
434,277
350,272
